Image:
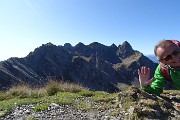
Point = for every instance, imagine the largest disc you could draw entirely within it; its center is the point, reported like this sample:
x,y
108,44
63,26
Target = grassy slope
x,y
68,93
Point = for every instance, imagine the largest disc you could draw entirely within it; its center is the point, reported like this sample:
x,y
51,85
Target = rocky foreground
x,y
131,104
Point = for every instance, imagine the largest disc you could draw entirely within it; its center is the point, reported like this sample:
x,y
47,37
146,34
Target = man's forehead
x,y
167,45
166,49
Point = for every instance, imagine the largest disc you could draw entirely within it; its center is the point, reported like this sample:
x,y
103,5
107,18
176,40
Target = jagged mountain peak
x,y
125,50
113,46
80,44
67,45
126,45
43,49
96,44
47,52
48,44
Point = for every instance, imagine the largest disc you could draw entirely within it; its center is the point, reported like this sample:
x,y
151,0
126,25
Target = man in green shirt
x,y
168,54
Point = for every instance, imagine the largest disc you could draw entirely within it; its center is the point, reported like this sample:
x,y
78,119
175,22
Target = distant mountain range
x,y
95,66
153,58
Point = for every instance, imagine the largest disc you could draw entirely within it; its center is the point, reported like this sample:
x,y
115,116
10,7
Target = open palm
x,y
144,74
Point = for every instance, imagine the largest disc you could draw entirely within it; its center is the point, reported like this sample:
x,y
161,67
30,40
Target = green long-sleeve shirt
x,y
156,87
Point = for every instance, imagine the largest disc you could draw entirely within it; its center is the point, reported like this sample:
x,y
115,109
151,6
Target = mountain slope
x,y
95,66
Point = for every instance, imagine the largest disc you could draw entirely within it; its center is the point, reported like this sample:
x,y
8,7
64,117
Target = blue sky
x,y
27,24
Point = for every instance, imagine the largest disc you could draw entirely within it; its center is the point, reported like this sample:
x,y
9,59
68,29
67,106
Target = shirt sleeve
x,y
156,87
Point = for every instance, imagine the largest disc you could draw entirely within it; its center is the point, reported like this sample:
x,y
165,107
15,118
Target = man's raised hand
x,y
144,74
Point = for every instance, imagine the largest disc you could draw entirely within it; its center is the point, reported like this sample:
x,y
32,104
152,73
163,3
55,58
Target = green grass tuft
x,y
86,93
101,96
41,107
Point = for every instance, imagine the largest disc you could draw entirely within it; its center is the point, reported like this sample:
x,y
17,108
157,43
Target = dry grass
x,y
20,91
54,86
24,91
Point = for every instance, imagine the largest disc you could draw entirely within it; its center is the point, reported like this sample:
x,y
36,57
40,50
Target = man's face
x,y
169,55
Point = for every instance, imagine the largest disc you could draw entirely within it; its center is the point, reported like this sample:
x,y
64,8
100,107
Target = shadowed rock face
x,y
95,66
125,50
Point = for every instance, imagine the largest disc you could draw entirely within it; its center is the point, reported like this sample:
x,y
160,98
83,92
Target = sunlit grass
x,y
101,96
59,86
76,97
62,93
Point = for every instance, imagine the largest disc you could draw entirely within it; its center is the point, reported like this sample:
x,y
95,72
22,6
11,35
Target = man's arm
x,y
153,86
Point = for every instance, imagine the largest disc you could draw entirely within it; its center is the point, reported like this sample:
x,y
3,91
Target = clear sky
x,y
27,24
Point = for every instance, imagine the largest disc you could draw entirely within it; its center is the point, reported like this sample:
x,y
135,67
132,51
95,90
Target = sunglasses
x,y
170,57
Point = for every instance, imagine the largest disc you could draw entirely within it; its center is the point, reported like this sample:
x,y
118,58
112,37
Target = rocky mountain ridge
x,y
95,66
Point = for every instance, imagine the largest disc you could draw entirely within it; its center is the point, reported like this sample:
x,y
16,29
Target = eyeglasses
x,y
170,57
